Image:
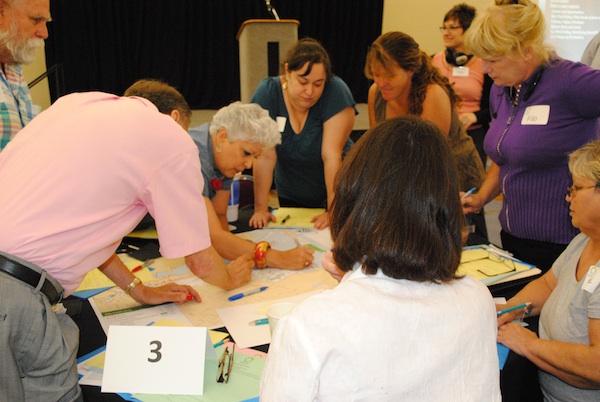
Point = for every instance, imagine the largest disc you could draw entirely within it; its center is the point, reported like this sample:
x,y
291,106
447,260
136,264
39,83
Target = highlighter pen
x,y
468,193
262,321
227,339
285,219
508,310
248,293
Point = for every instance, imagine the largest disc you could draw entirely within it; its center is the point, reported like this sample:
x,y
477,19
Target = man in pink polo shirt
x,y
76,180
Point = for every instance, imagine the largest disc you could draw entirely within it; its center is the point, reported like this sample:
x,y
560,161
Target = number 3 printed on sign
x,y
156,351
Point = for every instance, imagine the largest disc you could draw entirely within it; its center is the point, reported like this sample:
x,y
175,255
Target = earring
x,y
284,85
219,149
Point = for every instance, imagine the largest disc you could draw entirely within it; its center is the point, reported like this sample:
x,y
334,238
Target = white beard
x,y
18,50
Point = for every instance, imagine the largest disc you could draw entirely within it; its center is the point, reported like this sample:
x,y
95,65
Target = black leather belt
x,y
30,277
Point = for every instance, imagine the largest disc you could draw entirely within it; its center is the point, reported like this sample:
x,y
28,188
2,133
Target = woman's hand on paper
x,y
261,219
321,221
171,292
507,317
516,337
294,259
330,266
240,270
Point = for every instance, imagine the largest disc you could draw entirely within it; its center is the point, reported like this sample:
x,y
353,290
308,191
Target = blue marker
x,y
262,321
248,293
468,193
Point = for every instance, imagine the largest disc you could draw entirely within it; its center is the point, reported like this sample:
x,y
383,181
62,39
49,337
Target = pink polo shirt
x,y
82,174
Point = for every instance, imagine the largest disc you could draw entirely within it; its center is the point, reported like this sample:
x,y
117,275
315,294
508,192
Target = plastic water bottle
x,y
234,200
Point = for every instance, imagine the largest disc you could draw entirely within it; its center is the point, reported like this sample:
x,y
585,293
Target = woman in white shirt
x,y
401,326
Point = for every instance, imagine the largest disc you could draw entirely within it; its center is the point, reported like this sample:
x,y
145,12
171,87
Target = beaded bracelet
x,y
260,254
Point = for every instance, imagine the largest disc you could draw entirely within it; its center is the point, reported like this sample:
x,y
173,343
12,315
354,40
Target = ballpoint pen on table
x,y
144,265
261,321
285,219
248,293
508,310
468,193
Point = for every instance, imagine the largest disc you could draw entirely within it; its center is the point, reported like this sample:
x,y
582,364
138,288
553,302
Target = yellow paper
x,y
149,233
479,268
97,280
298,217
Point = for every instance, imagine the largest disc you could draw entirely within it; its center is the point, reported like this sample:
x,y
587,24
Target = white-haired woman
x,y
237,135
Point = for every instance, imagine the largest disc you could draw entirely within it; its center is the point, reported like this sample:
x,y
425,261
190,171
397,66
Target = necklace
x,y
515,96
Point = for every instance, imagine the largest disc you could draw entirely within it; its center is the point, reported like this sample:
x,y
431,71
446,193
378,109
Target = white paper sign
x,y
156,360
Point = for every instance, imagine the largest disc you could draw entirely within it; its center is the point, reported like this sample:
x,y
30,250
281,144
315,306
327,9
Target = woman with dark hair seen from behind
x,y
543,107
465,73
405,82
384,332
315,113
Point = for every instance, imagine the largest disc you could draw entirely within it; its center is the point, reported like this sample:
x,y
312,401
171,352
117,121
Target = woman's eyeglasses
x,y
509,266
572,190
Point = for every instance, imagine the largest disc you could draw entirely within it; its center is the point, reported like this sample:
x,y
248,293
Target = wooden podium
x,y
263,46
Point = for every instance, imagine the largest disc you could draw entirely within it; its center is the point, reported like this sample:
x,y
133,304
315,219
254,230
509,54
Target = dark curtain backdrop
x,y
108,44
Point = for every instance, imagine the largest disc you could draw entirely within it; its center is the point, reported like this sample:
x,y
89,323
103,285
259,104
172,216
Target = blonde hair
x,y
507,28
585,162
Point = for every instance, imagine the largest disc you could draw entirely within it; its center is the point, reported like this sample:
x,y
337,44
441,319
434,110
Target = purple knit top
x,y
556,112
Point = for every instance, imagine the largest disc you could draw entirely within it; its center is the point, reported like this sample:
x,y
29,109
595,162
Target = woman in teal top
x,y
315,113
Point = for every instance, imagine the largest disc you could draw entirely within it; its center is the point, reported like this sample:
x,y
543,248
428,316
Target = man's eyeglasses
x,y
572,190
450,28
225,364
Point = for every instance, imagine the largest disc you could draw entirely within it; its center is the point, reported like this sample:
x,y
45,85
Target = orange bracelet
x,y
260,254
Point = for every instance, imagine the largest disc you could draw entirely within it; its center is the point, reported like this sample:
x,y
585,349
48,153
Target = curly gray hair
x,y
246,122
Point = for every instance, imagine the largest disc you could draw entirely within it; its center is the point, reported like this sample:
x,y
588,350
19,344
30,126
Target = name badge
x,y
281,120
460,71
591,280
536,115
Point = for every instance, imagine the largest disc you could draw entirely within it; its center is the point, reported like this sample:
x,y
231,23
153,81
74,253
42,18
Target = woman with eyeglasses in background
x,y
567,298
543,108
465,73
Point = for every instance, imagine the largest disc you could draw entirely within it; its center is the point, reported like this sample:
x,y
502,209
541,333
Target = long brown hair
x,y
402,49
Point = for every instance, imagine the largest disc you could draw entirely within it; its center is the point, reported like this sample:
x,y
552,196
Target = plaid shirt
x,y
16,108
